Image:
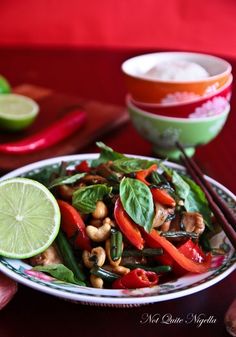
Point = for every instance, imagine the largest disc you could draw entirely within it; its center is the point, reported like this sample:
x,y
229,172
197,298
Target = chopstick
x,y
220,209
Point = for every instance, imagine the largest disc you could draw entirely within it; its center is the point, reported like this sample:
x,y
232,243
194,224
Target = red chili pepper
x,y
73,225
51,135
154,240
142,175
137,278
117,284
127,226
82,167
163,197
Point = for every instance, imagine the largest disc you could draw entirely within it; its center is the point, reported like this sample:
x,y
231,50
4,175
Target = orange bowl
x,y
208,104
145,89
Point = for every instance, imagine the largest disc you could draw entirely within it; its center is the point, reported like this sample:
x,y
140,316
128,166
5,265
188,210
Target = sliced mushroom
x,y
162,215
106,171
49,256
193,222
65,192
93,179
175,224
166,226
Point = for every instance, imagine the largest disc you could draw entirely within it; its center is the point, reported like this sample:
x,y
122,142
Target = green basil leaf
x,y
197,201
60,272
156,178
106,154
84,198
168,171
181,187
129,165
193,196
66,180
137,201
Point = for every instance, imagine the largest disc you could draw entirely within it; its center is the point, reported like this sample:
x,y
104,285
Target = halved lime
x,y
5,87
29,218
17,112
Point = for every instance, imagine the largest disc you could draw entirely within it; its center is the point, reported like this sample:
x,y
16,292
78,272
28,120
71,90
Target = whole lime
x,y
5,87
17,112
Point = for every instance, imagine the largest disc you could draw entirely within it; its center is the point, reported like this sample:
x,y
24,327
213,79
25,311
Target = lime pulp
x,y
29,218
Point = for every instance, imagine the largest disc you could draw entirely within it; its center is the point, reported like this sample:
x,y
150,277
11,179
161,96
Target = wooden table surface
x,y
95,74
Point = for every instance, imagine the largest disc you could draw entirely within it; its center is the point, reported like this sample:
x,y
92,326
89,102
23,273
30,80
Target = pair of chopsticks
x,y
220,209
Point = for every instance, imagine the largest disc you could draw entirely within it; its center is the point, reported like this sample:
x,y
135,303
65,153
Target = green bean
x,y
144,252
68,256
104,274
156,269
116,245
179,234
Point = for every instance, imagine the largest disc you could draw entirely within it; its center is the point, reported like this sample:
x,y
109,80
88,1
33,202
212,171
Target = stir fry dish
x,y
126,223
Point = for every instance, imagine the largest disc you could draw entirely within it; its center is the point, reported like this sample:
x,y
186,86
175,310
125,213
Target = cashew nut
x,y
108,252
100,211
109,221
96,281
96,256
98,234
120,270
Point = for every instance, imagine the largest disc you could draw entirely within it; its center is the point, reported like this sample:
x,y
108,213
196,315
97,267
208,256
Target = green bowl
x,y
164,132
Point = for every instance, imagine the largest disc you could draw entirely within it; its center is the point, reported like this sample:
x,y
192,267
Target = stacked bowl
x,y
178,96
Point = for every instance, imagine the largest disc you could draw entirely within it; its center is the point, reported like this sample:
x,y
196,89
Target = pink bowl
x,y
208,104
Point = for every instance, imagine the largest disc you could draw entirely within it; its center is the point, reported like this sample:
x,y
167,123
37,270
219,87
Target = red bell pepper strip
x,y
154,240
127,226
192,251
162,196
137,278
73,225
82,167
49,136
142,175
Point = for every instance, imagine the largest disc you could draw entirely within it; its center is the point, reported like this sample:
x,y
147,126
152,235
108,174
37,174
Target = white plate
x,y
189,284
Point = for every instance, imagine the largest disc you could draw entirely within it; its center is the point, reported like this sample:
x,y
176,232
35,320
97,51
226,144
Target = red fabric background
x,y
203,25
